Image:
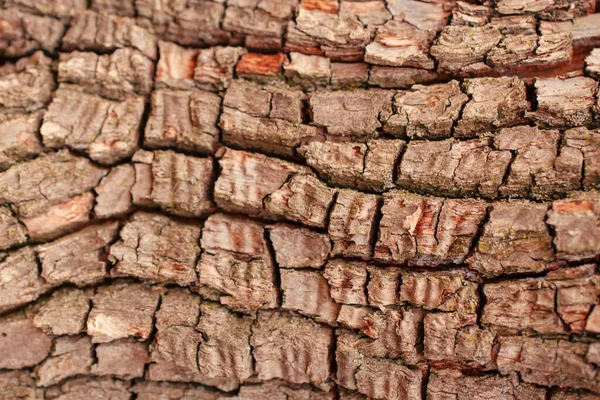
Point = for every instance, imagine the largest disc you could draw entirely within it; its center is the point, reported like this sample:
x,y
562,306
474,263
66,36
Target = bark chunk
x,y
393,331
291,348
195,23
185,120
446,383
71,356
298,247
119,75
224,357
19,385
20,281
27,84
385,378
563,301
445,291
23,33
90,388
453,168
494,103
303,198
450,337
352,224
537,168
347,281
581,148
19,138
515,240
34,186
308,71
548,362
22,345
427,231
564,102
60,219
124,359
575,222
64,313
157,248
246,180
12,233
107,130
215,67
80,257
366,166
174,351
102,33
400,44
427,112
308,293
355,113
114,192
122,310
592,64
237,264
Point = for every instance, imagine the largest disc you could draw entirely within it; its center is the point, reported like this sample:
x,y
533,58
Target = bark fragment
x,y
515,240
494,103
107,130
427,112
347,281
27,84
454,291
71,356
80,257
298,247
124,359
563,301
20,142
394,332
246,180
564,102
352,224
366,166
22,345
189,24
184,120
157,248
292,348
426,231
20,279
124,73
308,293
174,351
113,194
122,310
237,264
357,113
575,222
549,362
224,357
34,186
12,233
215,67
64,313
103,33
444,383
453,168
22,33
454,338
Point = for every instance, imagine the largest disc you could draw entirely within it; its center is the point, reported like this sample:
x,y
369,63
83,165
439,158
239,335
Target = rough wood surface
x,y
299,199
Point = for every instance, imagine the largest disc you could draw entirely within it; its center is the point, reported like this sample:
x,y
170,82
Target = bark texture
x,y
299,199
